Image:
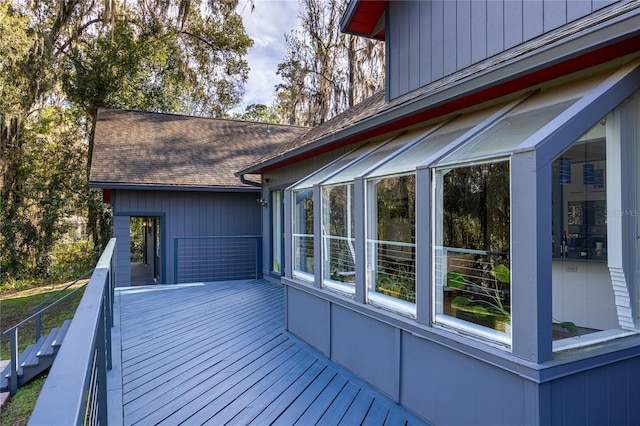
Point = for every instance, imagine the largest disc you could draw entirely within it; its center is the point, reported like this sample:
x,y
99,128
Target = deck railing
x,y
37,318
75,391
219,258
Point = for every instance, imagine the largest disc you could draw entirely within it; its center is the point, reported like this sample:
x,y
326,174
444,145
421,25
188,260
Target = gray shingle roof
x,y
152,149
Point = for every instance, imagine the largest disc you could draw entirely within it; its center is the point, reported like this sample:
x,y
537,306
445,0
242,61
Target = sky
x,y
266,25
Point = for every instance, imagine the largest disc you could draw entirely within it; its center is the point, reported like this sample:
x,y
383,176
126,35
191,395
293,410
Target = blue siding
x,y
606,395
513,16
184,214
448,382
478,31
372,355
429,40
315,332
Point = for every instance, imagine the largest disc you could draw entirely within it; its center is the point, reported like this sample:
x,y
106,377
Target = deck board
x,y
217,353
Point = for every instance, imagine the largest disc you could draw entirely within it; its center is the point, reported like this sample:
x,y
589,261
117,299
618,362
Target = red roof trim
x,y
578,63
365,17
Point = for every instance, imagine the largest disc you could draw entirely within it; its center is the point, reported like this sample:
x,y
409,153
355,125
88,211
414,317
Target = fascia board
x,y
177,188
348,15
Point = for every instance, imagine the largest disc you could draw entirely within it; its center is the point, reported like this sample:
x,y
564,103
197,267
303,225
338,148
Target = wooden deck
x,y
217,353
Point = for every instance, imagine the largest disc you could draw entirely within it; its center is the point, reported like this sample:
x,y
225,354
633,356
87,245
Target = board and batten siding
x,y
182,214
435,377
428,40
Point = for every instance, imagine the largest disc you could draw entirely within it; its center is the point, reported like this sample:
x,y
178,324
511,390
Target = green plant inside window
x,y
488,301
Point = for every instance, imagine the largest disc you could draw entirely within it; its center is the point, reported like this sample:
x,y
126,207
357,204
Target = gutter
x,y
154,187
249,182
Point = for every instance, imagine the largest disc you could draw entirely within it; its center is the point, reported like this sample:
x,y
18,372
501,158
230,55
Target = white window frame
x,y
326,237
441,320
373,297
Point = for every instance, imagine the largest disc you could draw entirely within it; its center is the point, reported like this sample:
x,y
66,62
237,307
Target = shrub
x,y
72,260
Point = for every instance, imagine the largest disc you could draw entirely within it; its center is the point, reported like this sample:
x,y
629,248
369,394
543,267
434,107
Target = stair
x,y
36,358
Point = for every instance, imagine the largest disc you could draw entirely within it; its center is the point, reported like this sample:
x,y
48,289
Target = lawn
x,y
16,306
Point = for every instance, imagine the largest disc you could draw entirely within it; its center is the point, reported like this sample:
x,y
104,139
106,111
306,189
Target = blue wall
x,y
427,40
183,214
447,379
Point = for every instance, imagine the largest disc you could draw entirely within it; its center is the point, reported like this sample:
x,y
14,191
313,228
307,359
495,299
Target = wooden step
x,y
61,333
47,348
35,358
32,358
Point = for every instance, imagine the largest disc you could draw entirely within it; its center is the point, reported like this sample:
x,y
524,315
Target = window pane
x,y
356,169
507,134
276,231
472,251
521,122
336,165
584,301
303,233
391,242
338,238
407,160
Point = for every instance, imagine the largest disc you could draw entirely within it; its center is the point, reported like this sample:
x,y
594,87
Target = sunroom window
x,y
594,183
338,237
472,250
302,212
472,217
391,267
339,212
302,229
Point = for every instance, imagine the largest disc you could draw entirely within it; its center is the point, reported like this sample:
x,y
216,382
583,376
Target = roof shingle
x,y
153,149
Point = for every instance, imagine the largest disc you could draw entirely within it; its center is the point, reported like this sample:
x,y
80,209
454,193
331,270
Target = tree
x,y
326,72
159,55
258,113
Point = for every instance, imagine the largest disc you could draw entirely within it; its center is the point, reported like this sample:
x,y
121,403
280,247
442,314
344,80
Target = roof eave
x,y
179,188
545,64
370,25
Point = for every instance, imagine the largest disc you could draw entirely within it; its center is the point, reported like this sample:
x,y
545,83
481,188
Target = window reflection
x,y
391,241
338,236
303,251
473,251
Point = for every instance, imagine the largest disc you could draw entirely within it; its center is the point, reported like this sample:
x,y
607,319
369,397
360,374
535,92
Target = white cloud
x,y
267,26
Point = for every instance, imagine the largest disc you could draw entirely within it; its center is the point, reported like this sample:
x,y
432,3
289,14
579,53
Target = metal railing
x,y
217,258
38,309
75,391
339,258
36,317
303,250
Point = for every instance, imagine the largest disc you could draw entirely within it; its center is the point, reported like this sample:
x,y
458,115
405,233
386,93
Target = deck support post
x,y
13,385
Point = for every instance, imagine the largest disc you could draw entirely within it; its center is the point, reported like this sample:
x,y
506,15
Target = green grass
x,y
19,410
16,306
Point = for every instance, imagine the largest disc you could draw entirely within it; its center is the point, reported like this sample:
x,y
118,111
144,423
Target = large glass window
x,y
472,249
391,244
302,224
590,290
338,237
276,232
